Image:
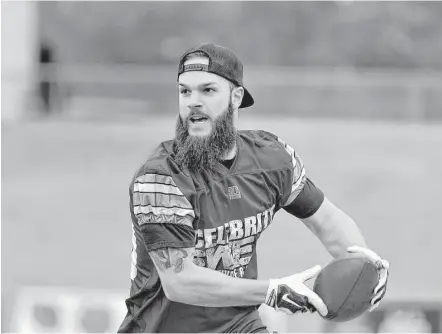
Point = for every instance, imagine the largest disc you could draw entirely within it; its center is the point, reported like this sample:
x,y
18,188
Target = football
x,y
346,286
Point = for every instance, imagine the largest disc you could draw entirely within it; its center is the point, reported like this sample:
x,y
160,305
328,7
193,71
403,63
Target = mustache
x,y
196,112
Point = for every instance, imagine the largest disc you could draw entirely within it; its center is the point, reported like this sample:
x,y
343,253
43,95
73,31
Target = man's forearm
x,y
205,287
335,229
339,233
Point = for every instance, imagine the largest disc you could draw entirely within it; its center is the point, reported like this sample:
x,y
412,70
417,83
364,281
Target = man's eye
x,y
184,91
208,90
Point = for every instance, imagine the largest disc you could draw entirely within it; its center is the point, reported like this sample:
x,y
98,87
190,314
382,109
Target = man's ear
x,y
237,96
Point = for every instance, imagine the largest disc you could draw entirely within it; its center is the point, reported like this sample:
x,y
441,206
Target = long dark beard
x,y
202,153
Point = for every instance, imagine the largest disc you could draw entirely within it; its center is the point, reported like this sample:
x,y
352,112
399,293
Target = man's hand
x,y
382,265
291,295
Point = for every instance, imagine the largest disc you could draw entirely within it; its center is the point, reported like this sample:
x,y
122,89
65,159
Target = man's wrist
x,y
271,293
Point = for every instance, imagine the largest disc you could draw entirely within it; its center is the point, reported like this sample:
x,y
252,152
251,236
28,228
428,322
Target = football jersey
x,y
222,214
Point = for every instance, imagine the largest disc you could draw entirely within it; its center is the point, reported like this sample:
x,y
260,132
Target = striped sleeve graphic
x,y
157,199
299,177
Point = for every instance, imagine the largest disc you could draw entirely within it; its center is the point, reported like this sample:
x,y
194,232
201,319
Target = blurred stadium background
x,y
88,88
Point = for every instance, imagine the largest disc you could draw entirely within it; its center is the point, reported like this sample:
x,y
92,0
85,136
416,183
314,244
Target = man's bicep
x,y
322,214
170,261
174,266
171,248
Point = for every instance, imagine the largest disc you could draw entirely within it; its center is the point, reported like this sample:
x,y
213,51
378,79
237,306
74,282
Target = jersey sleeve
x,y
307,202
296,175
161,211
301,197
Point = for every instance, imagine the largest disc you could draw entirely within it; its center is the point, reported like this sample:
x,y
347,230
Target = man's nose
x,y
194,101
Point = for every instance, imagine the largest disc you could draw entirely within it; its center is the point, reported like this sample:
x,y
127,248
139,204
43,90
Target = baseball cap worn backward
x,y
222,62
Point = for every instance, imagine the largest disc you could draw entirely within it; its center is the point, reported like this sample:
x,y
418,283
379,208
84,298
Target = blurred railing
x,y
311,92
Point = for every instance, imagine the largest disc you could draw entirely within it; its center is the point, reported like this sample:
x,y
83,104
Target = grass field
x,y
65,218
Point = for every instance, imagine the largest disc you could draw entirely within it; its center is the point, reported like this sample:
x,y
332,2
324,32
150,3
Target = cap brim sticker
x,y
196,67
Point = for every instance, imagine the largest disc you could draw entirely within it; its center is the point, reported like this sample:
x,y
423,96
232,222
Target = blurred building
x,y
349,34
351,59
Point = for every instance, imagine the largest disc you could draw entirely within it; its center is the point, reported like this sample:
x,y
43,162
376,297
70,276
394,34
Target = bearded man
x,y
200,203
